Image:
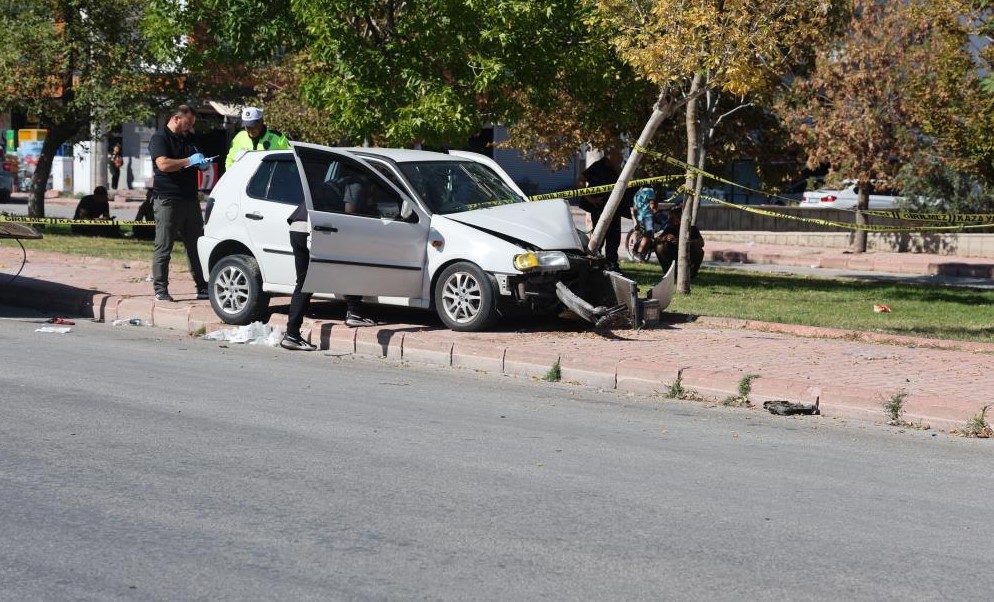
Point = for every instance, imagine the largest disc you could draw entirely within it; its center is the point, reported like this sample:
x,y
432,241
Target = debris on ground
x,y
254,333
787,408
129,322
879,308
54,329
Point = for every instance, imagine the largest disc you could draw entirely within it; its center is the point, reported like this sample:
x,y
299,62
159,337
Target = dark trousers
x,y
299,300
115,177
667,253
612,238
176,219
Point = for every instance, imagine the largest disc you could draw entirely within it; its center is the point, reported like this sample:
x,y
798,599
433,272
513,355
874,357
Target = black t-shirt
x,y
177,185
601,173
93,207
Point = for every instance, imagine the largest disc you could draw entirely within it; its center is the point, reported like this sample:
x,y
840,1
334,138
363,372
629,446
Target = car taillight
x,y
828,199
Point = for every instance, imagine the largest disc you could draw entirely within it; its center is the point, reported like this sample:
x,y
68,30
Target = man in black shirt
x,y
94,206
602,172
177,207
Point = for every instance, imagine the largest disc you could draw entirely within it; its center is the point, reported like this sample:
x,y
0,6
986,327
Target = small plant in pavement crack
x,y
676,389
555,373
894,407
978,426
745,388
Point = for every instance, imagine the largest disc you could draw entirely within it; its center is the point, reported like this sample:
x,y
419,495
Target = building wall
x,y
532,176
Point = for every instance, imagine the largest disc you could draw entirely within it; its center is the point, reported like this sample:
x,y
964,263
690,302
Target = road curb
x,y
520,356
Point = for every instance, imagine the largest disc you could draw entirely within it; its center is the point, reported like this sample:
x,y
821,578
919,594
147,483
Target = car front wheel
x,y
236,290
465,298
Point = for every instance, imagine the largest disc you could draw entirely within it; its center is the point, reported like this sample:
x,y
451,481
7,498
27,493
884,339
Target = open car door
x,y
360,242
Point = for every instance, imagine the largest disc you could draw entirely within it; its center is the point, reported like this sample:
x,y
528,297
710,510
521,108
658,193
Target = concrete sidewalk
x,y
851,374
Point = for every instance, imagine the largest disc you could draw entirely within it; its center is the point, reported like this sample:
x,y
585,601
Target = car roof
x,y
398,155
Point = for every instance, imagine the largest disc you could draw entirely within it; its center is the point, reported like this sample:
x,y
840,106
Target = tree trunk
x,y
693,143
55,137
663,109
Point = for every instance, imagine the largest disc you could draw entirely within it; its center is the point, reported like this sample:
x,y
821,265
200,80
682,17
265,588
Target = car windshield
x,y
456,186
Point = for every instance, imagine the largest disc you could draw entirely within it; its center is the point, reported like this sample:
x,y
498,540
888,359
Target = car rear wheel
x,y
465,298
236,290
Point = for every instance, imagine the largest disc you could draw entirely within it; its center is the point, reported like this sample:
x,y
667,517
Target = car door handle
x,y
254,215
325,229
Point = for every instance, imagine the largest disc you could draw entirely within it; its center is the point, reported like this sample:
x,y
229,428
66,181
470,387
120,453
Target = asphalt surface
x,y
141,464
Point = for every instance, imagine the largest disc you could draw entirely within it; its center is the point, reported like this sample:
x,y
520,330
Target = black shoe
x,y
296,343
164,296
355,320
202,293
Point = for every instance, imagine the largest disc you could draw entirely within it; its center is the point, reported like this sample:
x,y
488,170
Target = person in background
x,y
642,214
602,172
357,200
668,244
255,136
115,161
95,206
146,213
299,300
173,150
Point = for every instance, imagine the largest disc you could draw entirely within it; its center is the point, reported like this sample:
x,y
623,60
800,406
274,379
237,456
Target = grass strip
x,y
937,312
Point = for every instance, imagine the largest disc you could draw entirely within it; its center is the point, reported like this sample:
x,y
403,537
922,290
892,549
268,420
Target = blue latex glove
x,y
197,159
204,166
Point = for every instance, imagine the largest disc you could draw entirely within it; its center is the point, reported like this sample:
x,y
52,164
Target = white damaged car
x,y
449,231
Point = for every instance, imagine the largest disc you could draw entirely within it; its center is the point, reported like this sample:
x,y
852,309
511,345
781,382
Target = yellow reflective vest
x,y
269,140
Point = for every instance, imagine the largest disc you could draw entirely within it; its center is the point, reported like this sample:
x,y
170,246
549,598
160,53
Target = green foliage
x,y
73,63
978,426
901,83
928,184
198,36
395,73
894,407
677,390
76,67
745,384
555,373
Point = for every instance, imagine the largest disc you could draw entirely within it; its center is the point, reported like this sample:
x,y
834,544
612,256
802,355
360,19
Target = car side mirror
x,y
406,209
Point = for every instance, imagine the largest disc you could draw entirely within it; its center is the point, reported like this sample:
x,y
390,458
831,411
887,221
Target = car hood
x,y
546,225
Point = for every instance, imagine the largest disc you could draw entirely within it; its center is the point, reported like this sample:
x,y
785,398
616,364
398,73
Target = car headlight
x,y
541,260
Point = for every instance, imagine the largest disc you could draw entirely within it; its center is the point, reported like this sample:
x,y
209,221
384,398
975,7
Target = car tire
x,y
4,195
235,288
465,298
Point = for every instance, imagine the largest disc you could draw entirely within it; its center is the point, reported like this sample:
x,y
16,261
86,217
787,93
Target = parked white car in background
x,y
444,230
848,198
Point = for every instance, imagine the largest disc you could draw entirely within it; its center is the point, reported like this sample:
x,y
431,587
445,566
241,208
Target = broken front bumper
x,y
610,300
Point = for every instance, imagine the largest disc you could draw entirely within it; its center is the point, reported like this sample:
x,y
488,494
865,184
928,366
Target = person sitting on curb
x,y
668,244
95,206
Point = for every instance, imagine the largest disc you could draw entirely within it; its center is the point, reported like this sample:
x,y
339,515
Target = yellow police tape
x,y
569,194
953,221
74,222
843,225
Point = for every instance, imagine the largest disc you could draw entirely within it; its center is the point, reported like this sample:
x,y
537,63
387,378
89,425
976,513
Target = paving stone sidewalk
x,y
850,374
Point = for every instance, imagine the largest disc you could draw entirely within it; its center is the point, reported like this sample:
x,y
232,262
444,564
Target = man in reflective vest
x,y
255,136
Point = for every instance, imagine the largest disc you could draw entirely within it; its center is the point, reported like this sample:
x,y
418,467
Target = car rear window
x,y
277,180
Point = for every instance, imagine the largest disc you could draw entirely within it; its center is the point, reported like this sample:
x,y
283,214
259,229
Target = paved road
x,y
143,465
